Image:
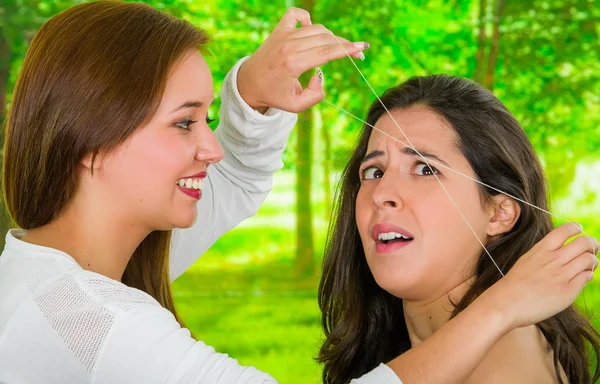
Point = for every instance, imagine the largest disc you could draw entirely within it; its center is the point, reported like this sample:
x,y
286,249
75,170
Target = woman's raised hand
x,y
269,78
548,278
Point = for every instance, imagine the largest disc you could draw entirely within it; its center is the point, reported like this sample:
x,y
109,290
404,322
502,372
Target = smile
x,y
191,183
191,186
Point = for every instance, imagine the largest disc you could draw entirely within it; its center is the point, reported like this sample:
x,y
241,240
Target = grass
x,y
277,332
243,298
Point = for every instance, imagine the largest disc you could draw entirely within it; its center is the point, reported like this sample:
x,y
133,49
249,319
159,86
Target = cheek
x,y
149,166
167,158
447,237
431,209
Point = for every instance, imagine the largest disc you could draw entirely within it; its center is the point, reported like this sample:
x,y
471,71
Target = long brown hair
x,y
364,325
92,75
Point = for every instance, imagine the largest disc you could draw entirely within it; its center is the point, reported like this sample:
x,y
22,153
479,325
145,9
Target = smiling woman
x,y
110,167
401,261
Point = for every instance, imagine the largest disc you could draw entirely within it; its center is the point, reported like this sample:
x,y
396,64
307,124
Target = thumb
x,y
314,93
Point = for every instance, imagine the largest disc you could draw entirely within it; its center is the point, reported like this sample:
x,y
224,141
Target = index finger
x,y
294,16
559,235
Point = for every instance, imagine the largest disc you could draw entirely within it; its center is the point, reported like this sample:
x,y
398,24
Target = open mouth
x,y
393,237
191,187
191,183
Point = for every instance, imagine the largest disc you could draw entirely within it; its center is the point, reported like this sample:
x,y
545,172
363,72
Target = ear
x,y
504,213
92,162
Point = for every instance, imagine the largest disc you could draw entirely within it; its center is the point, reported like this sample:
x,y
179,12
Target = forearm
x,y
253,143
452,353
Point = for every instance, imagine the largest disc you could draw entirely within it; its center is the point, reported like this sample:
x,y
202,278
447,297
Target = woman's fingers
x,y
309,30
559,235
313,94
549,277
322,54
578,282
319,49
306,43
577,247
584,262
292,17
269,78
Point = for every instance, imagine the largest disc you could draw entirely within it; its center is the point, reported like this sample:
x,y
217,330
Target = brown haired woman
x,y
408,262
108,152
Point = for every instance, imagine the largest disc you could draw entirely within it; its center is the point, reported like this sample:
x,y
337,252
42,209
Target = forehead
x,y
190,79
423,127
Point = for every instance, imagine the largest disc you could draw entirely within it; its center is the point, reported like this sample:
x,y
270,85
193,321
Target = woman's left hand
x,y
269,78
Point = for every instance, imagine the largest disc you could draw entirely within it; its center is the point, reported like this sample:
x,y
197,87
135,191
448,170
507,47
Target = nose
x,y
209,150
386,193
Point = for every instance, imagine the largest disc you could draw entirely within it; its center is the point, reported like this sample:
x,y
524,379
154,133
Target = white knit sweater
x,y
62,324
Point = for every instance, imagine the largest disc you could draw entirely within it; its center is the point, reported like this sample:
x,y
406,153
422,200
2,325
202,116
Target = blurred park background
x,y
253,295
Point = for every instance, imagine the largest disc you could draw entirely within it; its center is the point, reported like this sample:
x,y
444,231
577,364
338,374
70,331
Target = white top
x,y
62,324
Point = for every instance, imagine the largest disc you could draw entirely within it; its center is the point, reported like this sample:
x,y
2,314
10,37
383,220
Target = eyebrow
x,y
407,151
188,104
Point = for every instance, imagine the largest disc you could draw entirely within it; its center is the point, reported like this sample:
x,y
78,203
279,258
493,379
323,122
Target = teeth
x,y
391,236
191,183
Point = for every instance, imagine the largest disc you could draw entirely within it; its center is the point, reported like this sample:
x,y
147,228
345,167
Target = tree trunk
x,y
495,46
304,264
5,60
327,158
480,62
304,231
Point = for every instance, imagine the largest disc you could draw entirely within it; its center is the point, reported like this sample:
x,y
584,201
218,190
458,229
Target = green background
x,y
253,295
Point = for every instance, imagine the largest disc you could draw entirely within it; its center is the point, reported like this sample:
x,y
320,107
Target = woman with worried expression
x,y
401,261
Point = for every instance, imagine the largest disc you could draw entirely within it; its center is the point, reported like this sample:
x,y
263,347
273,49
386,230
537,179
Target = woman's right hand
x,y
548,278
269,78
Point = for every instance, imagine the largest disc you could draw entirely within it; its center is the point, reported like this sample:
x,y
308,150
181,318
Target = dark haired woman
x,y
401,261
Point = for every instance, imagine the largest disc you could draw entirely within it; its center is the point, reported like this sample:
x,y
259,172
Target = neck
x,y
425,317
98,239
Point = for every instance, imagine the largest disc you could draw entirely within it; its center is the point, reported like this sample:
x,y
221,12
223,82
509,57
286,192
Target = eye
x,y
209,120
423,169
185,124
370,173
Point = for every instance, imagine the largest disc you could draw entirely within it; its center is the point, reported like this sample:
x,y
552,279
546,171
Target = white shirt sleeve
x,y
235,187
380,375
147,345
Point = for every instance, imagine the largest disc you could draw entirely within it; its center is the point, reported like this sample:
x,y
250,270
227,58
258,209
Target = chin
x,y
183,220
186,222
402,286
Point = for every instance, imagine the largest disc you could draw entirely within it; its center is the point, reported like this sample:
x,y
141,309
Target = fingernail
x,y
362,45
320,77
361,56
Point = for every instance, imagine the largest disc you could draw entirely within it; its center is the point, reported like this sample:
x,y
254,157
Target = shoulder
x,y
521,356
119,333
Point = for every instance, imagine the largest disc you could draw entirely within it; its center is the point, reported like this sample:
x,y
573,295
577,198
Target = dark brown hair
x,y
92,75
364,325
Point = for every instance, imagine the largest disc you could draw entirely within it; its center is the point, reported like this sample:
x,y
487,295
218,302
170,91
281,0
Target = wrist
x,y
245,86
490,305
